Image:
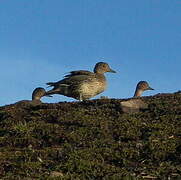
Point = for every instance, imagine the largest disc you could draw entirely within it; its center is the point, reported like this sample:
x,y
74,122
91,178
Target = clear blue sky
x,y
41,40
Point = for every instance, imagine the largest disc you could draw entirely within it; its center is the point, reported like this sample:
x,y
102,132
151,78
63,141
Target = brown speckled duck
x,y
82,85
136,104
141,87
37,94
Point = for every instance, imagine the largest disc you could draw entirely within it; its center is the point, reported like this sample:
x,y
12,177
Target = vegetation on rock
x,y
91,140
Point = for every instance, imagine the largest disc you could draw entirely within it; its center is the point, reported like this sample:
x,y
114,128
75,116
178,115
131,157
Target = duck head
x,y
38,93
102,67
142,86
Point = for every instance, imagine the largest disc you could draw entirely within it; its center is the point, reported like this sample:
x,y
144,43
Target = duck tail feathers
x,y
62,89
51,92
50,84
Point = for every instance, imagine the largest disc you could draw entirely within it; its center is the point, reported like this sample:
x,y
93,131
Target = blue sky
x,y
41,40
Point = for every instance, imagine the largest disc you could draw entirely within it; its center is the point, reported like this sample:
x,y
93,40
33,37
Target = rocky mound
x,y
94,139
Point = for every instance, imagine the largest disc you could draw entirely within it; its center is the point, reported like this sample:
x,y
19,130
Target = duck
x,y
37,94
141,87
136,104
82,84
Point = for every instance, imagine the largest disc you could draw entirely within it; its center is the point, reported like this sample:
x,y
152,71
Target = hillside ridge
x,y
93,139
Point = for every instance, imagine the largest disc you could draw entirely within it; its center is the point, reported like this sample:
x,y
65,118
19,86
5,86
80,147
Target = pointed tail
x,y
61,89
50,84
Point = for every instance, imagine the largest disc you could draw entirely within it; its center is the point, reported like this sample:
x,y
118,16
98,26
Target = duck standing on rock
x,y
82,85
141,87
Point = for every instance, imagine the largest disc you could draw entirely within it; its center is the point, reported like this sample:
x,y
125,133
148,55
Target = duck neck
x,y
138,93
35,98
98,71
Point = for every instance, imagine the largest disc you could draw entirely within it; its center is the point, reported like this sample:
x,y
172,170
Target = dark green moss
x,y
91,140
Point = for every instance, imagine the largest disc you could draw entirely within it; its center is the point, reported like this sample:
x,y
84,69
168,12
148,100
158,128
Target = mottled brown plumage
x,y
82,84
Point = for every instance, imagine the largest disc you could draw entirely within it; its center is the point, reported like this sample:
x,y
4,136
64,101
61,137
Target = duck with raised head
x,y
82,84
141,87
136,104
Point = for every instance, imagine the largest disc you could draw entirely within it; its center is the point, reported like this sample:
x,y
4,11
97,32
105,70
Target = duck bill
x,y
112,71
48,95
150,88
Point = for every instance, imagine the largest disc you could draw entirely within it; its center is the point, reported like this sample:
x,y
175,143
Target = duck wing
x,y
80,72
72,80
